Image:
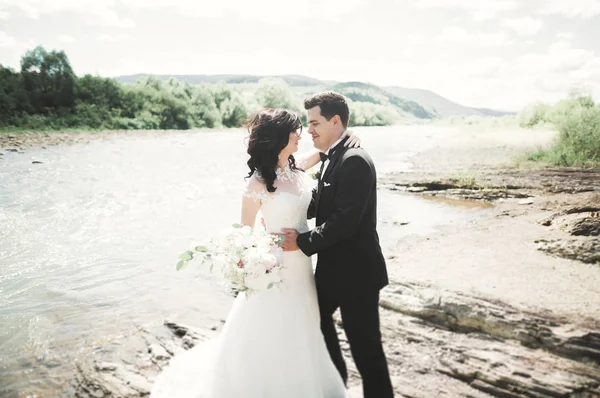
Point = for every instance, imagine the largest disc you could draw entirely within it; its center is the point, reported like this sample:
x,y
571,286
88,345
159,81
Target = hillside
x,y
292,80
419,103
440,106
370,93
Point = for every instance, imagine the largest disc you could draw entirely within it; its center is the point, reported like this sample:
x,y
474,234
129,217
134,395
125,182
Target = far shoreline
x,y
17,141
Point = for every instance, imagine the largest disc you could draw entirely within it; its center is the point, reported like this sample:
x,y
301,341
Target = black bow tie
x,y
323,156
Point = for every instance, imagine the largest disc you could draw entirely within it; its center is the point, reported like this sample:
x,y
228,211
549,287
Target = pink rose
x,y
270,263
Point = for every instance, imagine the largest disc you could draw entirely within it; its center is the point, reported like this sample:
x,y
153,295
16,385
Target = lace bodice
x,y
287,206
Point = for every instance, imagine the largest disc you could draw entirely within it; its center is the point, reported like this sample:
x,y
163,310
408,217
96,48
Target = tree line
x,y
46,94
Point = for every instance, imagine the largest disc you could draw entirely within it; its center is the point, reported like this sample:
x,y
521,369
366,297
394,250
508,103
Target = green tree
x,y
155,105
204,110
368,114
48,79
231,105
13,98
577,120
275,93
534,114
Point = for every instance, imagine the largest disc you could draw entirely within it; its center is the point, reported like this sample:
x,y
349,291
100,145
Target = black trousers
x,y
360,318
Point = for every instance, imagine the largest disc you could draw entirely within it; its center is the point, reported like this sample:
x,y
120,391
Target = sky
x,y
502,54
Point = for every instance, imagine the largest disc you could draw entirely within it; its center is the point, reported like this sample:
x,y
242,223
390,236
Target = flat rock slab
x,y
438,343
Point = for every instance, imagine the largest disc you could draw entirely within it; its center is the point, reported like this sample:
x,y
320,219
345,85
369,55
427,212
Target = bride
x,y
271,345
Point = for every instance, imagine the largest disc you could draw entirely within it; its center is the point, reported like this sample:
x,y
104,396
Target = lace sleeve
x,y
301,162
256,189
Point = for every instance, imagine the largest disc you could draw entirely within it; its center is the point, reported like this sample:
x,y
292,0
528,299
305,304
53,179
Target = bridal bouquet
x,y
250,259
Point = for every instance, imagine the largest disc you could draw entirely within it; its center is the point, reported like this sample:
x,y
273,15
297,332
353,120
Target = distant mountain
x,y
364,92
423,104
493,112
441,106
292,80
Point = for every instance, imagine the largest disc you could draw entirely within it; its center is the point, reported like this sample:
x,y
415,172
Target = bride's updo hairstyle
x,y
270,131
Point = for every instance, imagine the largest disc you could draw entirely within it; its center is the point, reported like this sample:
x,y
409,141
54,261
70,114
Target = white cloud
x,y
483,15
114,38
496,39
488,9
28,8
472,5
455,34
270,11
488,67
7,41
504,82
108,17
561,58
97,12
525,26
480,10
66,39
104,12
570,9
565,35
458,35
549,75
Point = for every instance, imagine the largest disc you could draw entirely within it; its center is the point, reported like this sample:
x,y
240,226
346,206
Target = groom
x,y
350,269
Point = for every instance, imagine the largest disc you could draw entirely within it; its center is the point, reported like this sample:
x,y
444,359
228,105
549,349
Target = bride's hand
x,y
353,141
279,239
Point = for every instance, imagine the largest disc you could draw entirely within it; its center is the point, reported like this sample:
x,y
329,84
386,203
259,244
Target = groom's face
x,y
323,132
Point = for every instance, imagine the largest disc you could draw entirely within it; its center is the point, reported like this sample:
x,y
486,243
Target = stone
x,y
526,202
589,226
584,250
158,352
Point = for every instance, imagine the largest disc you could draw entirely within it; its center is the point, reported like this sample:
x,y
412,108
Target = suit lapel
x,y
332,162
335,156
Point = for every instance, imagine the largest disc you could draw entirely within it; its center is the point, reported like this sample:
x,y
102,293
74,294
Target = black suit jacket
x,y
345,205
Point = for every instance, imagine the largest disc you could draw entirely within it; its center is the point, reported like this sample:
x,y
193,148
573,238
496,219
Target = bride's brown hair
x,y
270,131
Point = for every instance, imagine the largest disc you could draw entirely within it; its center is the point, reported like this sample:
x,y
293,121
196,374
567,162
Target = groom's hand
x,y
290,236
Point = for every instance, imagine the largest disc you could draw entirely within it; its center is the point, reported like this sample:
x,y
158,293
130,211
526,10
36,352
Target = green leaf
x,y
270,285
211,267
201,249
237,225
187,256
181,265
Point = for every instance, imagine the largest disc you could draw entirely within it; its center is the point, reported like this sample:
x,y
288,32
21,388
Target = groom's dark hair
x,y
331,104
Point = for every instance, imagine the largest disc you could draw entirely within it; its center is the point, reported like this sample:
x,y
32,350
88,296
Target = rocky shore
x,y
19,141
438,342
571,197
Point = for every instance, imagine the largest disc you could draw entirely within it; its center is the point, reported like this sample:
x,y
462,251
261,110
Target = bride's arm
x,y
309,159
252,200
250,208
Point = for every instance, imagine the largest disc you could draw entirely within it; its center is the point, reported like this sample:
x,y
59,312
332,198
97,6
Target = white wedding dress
x,y
271,345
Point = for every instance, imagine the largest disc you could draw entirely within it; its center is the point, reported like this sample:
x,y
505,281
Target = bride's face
x,y
292,146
